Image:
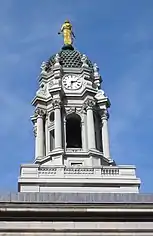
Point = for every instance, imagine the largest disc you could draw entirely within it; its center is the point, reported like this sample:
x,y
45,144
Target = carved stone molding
x,y
76,110
50,125
35,130
42,90
100,94
56,103
51,83
47,115
96,69
70,110
57,58
104,115
43,67
40,112
50,119
84,61
89,104
57,66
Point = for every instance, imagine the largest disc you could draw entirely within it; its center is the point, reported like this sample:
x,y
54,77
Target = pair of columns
x,y
91,129
40,130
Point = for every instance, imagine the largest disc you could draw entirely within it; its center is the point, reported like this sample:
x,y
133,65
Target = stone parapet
x,y
71,179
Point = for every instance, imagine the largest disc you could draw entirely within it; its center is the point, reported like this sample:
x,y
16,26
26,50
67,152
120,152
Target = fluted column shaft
x,y
35,134
46,136
105,134
58,128
90,126
83,135
39,149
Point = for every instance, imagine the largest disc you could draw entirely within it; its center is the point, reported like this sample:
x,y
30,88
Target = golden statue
x,y
66,31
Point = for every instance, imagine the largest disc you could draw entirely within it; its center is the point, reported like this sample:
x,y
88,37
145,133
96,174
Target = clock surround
x,y
72,82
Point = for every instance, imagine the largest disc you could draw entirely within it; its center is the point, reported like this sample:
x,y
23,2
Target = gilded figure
x,y
66,31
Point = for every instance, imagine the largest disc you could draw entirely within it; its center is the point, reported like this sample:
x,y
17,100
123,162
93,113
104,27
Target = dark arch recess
x,y
73,131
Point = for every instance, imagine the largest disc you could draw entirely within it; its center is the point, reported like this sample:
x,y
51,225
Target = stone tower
x,y
70,122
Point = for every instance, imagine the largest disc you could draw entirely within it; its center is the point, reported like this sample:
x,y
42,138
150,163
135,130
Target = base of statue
x,y
68,46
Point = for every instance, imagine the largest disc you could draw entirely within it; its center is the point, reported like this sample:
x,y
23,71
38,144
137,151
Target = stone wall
x,y
75,228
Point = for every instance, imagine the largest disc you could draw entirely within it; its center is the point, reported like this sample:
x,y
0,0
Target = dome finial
x,y
68,35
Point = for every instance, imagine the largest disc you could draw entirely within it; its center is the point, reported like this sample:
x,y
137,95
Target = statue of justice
x,y
66,31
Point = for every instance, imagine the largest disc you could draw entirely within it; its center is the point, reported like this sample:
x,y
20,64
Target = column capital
x,y
40,112
89,103
56,103
104,115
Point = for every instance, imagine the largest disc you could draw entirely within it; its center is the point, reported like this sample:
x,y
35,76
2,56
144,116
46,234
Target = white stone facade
x,y
72,152
41,178
76,214
30,228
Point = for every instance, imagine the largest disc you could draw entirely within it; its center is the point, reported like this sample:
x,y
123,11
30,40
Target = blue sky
x,y
118,35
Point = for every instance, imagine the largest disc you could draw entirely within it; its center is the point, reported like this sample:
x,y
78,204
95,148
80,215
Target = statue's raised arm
x,y
66,31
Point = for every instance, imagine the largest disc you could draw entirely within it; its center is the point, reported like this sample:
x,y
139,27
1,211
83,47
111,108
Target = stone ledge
x,y
27,226
87,198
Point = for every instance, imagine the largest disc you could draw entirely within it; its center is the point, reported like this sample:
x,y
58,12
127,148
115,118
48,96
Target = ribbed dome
x,y
69,57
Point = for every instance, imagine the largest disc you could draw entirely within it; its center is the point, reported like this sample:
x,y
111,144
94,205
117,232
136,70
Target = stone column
x,y
39,149
65,133
58,128
105,134
35,134
90,125
83,134
97,132
46,135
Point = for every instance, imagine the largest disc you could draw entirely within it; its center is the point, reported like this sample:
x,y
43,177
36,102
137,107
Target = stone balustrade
x,y
78,171
73,150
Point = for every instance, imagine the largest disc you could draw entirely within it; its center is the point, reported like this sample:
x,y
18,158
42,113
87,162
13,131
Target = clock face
x,y
72,82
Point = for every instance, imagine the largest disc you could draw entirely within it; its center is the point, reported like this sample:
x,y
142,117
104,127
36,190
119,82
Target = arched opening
x,y
73,131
